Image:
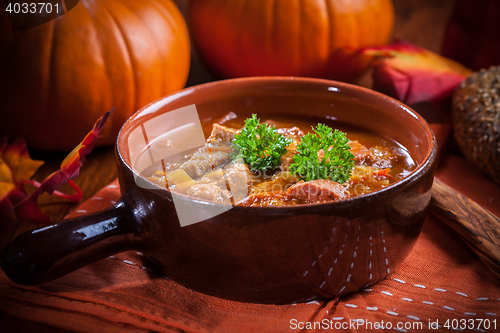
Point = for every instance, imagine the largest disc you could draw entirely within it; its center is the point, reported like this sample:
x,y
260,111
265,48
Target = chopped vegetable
x,y
180,179
260,145
324,155
159,178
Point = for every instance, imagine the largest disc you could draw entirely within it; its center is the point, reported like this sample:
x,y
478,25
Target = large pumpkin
x,y
293,37
58,78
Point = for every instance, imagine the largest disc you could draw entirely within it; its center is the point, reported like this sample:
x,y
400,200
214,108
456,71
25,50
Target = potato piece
x,y
180,179
158,178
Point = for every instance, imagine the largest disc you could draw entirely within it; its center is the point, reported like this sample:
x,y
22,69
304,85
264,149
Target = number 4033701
x,y
32,8
472,324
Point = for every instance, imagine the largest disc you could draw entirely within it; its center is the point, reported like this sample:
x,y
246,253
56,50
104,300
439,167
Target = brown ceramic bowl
x,y
271,254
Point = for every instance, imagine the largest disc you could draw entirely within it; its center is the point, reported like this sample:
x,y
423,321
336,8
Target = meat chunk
x,y
384,157
295,134
216,176
231,182
239,179
362,154
266,199
318,190
221,134
206,159
210,192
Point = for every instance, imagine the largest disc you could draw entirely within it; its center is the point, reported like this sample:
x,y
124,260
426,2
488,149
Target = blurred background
x,y
421,22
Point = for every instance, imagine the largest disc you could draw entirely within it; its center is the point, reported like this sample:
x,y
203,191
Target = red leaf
x,y
16,167
413,74
70,168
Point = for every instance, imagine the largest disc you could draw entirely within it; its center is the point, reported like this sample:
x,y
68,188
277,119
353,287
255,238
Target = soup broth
x,y
210,172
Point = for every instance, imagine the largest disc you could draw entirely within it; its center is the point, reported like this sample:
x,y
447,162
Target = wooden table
x,y
419,21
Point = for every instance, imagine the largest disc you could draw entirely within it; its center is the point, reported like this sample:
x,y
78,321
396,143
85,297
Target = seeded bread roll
x,y
476,120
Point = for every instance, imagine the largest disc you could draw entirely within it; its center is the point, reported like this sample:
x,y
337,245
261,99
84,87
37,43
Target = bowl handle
x,y
52,251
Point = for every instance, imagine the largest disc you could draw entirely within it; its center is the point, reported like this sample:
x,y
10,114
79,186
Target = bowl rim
x,y
418,172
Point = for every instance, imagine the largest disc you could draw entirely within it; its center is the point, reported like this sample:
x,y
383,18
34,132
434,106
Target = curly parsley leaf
x,y
260,145
324,155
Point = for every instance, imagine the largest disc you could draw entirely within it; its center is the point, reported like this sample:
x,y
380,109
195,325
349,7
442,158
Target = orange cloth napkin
x,y
440,281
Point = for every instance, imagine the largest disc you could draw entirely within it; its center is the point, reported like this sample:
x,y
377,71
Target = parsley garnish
x,y
336,163
260,145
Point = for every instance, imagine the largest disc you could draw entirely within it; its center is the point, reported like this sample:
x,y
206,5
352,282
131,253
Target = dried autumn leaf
x,y
16,156
5,189
16,169
413,74
17,164
70,168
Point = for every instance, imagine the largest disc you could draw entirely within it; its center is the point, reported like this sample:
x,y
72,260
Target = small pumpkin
x,y
295,37
56,79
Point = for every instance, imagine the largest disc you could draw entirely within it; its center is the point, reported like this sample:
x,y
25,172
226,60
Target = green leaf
x,y
260,145
336,163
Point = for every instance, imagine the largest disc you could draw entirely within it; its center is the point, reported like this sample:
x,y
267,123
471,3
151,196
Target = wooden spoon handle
x,y
478,227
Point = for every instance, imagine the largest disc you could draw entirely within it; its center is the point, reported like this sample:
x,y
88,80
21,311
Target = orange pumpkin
x,y
58,78
294,37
